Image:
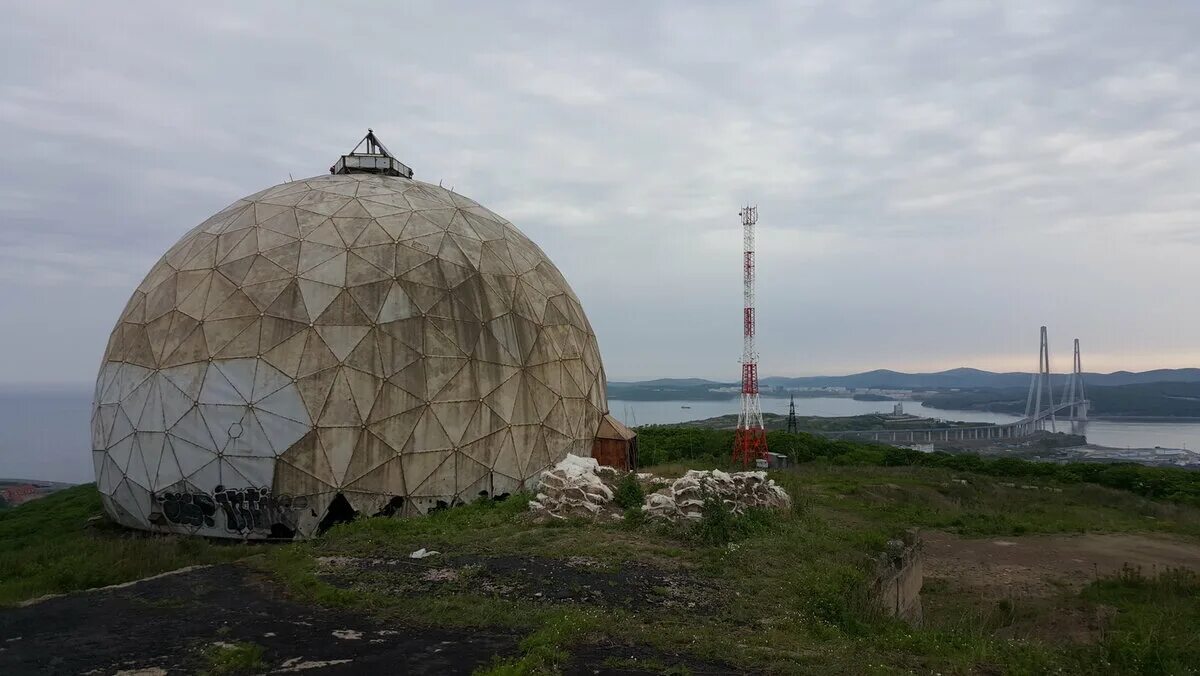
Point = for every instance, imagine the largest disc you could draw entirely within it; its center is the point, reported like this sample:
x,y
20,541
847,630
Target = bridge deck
x,y
1020,428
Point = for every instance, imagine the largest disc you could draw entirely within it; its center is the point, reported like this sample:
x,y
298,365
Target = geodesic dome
x,y
356,342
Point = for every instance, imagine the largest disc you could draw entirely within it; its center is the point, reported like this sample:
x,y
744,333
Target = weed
x,y
718,526
716,523
629,493
230,659
1154,632
544,651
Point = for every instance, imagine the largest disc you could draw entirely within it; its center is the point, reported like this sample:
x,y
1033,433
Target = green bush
x,y
629,493
716,523
718,526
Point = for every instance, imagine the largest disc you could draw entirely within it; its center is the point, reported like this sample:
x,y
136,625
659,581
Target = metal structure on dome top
x,y
792,426
750,439
377,160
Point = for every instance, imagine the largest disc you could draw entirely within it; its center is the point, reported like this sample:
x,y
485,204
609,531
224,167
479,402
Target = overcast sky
x,y
934,180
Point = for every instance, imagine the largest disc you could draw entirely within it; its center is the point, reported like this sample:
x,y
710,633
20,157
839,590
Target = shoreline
x,y
1146,418
1112,418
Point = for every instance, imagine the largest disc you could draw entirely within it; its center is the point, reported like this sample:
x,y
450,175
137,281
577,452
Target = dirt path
x,y
1039,565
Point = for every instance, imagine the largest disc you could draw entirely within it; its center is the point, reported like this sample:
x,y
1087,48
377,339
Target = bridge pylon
x,y
1074,397
1035,414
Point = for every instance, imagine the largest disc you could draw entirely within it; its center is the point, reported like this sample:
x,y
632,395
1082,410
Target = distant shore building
x,y
353,343
18,494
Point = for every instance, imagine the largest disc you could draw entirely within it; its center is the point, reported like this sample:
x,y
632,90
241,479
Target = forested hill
x,y
967,377
671,389
1175,400
699,389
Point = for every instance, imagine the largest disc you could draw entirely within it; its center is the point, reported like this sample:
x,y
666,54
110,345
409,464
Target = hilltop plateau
x,y
1027,568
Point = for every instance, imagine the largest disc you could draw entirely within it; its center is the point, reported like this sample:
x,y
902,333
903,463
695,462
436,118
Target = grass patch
x,y
49,547
977,505
793,586
545,650
232,659
788,591
718,526
1154,631
634,517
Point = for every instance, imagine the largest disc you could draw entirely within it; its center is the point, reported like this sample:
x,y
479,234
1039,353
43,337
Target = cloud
x,y
934,181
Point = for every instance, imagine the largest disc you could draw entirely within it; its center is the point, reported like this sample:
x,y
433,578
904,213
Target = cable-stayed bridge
x,y
1042,412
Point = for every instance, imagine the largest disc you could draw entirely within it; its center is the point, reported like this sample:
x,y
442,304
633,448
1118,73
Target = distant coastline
x,y
1164,395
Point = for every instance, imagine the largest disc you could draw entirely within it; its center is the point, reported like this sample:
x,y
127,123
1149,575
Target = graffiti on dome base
x,y
187,509
245,510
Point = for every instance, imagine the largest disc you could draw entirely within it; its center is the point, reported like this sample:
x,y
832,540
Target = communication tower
x,y
792,427
750,439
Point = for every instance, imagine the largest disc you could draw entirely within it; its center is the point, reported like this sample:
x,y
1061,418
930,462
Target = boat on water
x,y
685,407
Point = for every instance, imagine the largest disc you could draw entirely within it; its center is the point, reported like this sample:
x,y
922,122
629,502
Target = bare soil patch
x,y
1042,565
1027,586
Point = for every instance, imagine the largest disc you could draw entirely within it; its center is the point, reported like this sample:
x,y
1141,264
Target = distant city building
x,y
15,495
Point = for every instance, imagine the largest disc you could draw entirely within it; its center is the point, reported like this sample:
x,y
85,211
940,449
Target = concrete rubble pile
x,y
581,487
740,491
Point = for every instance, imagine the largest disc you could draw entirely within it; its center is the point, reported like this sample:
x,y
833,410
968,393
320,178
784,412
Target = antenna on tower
x,y
750,438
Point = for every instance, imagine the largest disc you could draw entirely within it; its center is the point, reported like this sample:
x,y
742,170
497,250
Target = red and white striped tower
x,y
750,439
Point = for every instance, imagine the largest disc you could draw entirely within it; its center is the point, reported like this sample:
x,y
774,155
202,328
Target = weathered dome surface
x,y
360,335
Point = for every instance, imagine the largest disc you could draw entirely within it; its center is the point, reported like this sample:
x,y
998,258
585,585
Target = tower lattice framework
x,y
750,439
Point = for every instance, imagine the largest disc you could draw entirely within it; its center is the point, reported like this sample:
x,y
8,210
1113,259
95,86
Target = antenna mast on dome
x,y
376,160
